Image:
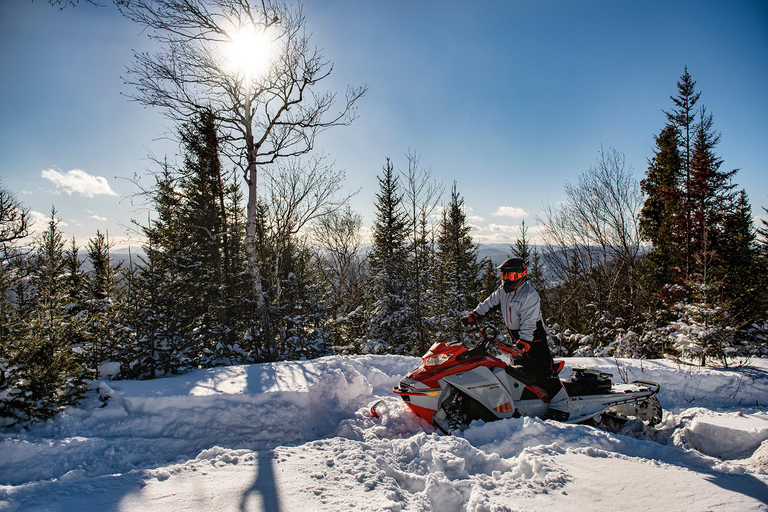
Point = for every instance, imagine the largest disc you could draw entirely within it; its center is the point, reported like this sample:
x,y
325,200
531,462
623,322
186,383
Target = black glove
x,y
470,319
523,346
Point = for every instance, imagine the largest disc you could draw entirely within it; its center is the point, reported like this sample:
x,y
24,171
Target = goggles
x,y
512,276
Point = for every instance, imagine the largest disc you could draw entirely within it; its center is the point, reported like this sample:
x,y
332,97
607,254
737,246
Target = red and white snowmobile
x,y
457,384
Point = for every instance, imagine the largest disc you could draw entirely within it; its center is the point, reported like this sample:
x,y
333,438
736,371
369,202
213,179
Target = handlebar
x,y
490,334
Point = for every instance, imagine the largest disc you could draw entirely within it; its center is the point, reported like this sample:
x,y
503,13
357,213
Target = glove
x,y
523,346
470,319
516,350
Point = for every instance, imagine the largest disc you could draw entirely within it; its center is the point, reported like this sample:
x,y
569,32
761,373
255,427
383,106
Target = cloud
x,y
502,233
503,228
98,217
510,211
41,221
79,181
471,215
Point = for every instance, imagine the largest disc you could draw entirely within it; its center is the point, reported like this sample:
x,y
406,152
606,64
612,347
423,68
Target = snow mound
x,y
728,436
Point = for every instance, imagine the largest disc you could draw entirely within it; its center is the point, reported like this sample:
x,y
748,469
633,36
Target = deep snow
x,y
298,436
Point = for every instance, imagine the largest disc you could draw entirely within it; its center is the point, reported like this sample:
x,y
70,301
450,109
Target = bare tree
x,y
297,193
265,116
595,232
14,219
338,239
421,196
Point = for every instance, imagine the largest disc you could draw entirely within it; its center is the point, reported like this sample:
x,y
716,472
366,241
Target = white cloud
x,y
79,181
98,217
471,216
503,228
502,233
41,221
510,211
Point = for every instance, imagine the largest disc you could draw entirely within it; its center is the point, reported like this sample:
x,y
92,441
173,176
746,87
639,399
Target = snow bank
x,y
298,436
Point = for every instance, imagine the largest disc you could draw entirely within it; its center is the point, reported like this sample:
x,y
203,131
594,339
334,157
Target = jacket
x,y
521,309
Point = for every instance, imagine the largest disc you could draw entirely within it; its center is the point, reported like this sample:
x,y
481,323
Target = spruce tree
x,y
107,333
46,375
207,254
389,314
683,118
459,269
663,211
165,322
489,281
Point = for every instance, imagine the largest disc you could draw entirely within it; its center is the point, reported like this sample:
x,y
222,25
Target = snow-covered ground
x,y
297,436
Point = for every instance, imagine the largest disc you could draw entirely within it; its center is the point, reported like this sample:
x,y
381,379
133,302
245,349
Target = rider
x,y
519,305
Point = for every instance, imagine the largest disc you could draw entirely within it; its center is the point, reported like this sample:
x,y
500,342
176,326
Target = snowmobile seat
x,y
552,386
518,373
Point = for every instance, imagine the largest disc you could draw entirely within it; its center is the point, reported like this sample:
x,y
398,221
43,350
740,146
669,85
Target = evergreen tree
x,y
530,254
389,312
710,192
164,322
489,280
662,212
208,253
683,118
43,374
77,300
459,284
741,266
107,333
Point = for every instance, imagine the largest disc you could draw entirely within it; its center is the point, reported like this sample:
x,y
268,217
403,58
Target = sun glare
x,y
249,51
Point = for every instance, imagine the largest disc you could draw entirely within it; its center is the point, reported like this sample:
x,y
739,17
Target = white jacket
x,y
520,309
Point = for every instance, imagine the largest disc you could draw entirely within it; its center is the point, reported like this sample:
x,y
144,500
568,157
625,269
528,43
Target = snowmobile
x,y
459,382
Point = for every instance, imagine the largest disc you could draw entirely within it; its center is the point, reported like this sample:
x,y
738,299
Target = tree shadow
x,y
747,485
264,486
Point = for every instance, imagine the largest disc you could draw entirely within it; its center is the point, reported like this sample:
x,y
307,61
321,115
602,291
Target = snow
x,y
298,436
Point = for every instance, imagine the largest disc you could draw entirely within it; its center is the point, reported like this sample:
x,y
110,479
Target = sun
x,y
249,50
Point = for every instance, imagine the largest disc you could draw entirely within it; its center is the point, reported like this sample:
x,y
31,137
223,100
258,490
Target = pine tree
x,y
388,311
683,118
663,210
459,284
107,333
45,374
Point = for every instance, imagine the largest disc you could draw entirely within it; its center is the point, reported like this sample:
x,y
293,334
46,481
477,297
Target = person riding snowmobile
x,y
519,305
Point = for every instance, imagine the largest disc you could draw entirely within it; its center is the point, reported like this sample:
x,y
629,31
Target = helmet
x,y
513,273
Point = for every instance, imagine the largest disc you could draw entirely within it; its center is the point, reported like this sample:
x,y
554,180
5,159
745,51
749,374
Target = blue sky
x,y
510,99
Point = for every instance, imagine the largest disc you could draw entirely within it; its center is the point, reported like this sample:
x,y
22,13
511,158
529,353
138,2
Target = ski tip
x,y
377,409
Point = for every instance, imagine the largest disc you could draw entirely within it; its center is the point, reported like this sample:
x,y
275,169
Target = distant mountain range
x,y
496,252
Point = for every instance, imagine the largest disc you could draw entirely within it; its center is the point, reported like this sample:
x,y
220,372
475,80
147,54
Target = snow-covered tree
x,y
457,264
390,315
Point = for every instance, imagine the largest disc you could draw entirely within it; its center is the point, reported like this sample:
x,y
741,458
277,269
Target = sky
x,y
508,99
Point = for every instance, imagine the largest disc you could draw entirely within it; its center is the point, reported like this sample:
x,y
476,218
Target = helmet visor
x,y
511,275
